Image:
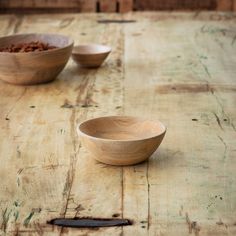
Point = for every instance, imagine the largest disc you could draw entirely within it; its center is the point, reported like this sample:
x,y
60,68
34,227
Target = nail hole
x,y
116,215
194,119
143,222
32,106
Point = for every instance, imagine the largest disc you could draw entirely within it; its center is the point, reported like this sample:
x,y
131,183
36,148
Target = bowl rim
x,y
70,43
81,133
109,49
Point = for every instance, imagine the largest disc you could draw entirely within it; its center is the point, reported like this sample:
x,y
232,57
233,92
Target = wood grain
x,y
107,5
224,5
234,5
168,194
177,67
125,5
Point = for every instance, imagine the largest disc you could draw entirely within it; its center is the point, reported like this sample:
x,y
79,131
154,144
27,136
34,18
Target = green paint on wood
x,y
16,214
28,219
18,182
5,219
202,56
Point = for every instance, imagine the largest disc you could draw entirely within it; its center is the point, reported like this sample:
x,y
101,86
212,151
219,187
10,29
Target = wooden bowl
x,y
91,55
121,140
34,67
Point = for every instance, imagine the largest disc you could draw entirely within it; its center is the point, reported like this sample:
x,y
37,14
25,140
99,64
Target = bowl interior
x,y
91,49
52,39
122,128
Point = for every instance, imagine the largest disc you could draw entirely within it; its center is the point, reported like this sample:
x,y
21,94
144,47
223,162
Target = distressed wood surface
x,y
176,67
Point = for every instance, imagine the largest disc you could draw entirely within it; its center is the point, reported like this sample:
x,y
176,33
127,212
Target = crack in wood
x,y
5,219
221,223
15,103
218,120
18,152
225,146
121,109
222,109
148,195
66,22
193,226
233,40
18,24
83,88
122,197
193,88
181,210
205,68
108,21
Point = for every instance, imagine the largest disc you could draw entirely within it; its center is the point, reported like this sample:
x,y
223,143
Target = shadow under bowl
x,y
28,68
121,140
91,55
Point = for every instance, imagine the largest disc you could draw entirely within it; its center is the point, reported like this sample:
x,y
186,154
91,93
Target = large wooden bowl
x,y
91,55
34,67
121,140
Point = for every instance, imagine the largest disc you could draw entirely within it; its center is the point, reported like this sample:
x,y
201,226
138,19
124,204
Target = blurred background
x,y
66,6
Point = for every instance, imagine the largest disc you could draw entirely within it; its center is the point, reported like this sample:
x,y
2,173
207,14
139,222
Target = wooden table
x,y
176,67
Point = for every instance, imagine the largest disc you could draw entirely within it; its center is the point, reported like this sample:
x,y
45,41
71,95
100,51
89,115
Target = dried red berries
x,y
34,46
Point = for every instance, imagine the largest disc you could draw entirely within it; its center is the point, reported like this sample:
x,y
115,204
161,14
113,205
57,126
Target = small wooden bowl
x,y
91,55
121,140
34,67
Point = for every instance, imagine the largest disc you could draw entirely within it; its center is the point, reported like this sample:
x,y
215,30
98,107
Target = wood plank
x,y
107,5
45,5
40,179
175,5
116,5
125,5
40,4
171,195
93,178
87,93
234,5
224,5
88,6
31,6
